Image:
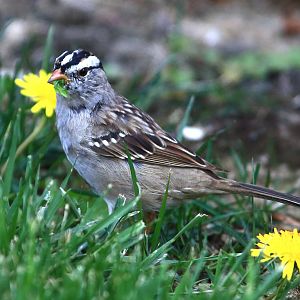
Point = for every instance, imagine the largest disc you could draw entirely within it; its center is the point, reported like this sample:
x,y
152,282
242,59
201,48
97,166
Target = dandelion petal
x,y
281,244
37,88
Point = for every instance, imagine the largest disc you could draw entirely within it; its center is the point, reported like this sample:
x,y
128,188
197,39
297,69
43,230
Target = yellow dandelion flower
x,y
284,245
39,90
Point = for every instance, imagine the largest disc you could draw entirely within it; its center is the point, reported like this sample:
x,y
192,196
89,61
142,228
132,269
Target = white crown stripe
x,y
91,61
62,55
67,59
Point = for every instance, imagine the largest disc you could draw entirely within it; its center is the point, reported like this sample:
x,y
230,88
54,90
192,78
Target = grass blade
x,y
9,166
185,118
48,49
135,184
157,230
158,254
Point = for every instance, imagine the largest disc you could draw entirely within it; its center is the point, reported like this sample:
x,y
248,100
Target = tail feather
x,y
261,192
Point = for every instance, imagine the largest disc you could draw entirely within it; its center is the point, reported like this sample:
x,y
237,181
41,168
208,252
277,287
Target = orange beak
x,y
57,75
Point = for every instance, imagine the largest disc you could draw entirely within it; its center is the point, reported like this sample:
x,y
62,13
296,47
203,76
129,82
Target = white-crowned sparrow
x,y
97,128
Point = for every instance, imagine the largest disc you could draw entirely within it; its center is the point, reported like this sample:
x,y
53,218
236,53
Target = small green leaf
x,y
60,89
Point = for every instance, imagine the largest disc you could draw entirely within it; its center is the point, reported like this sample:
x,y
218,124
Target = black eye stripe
x,y
94,67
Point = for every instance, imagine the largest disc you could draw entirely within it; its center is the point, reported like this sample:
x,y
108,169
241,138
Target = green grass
x,y
57,240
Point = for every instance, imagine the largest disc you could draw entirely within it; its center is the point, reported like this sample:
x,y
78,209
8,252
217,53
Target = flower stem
x,y
26,142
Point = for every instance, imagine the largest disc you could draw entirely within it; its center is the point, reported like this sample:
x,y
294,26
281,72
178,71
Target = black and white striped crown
x,y
77,60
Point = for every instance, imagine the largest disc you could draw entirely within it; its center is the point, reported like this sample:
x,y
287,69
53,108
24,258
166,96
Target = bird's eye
x,y
83,71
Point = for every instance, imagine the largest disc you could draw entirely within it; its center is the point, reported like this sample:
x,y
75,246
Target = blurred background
x,y
238,60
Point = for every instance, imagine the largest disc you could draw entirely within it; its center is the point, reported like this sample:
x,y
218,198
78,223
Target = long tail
x,y
259,192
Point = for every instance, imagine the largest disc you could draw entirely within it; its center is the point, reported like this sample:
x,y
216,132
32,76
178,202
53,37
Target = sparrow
x,y
98,129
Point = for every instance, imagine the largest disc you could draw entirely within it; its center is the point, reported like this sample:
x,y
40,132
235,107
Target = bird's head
x,y
83,77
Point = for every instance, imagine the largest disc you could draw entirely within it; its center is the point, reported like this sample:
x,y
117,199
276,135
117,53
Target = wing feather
x,y
146,141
